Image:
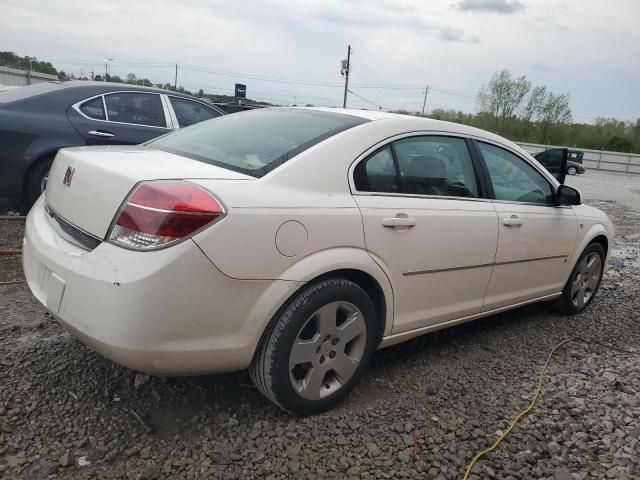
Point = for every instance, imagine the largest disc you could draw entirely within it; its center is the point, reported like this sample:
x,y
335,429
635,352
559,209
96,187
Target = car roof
x,y
420,123
109,86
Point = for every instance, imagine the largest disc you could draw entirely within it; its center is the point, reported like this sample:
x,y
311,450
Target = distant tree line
x,y
11,60
514,108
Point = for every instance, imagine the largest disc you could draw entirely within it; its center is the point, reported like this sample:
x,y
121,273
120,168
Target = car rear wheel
x,y
37,180
584,281
317,349
572,170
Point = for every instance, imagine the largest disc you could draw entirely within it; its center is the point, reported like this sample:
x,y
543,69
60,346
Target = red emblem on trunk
x,y
68,176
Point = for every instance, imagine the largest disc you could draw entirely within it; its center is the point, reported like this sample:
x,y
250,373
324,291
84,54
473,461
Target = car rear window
x,y
21,93
257,141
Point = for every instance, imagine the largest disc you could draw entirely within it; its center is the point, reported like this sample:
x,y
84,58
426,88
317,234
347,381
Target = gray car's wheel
x,y
316,350
36,180
584,280
572,170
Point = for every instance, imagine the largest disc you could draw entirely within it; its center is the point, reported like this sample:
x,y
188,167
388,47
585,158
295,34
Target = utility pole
x,y
106,71
80,73
346,67
175,81
424,103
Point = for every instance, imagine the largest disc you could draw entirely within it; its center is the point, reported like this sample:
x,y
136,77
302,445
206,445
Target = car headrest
x,y
427,167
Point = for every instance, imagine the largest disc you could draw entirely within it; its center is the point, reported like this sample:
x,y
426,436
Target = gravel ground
x,y
425,408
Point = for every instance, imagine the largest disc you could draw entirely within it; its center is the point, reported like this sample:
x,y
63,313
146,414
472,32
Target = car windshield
x,y
257,141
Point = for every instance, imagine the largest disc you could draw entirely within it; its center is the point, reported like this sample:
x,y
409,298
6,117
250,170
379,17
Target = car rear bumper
x,y
169,312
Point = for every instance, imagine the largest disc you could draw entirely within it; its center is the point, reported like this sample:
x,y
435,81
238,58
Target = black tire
x,y
34,181
270,369
565,303
572,170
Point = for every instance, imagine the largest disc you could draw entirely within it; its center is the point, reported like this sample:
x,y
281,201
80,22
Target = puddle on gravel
x,y
625,256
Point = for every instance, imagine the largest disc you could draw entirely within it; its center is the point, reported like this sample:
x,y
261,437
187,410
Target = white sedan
x,y
295,242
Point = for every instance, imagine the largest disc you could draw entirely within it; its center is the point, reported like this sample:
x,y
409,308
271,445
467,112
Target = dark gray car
x,y
36,121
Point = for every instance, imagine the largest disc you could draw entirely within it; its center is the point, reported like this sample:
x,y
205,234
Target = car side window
x,y
377,173
93,109
137,108
513,178
188,112
433,165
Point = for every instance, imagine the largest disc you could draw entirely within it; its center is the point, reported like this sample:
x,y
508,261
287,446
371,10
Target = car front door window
x,y
136,108
513,179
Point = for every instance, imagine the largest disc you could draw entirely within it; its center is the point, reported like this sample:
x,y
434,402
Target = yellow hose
x,y
12,282
518,417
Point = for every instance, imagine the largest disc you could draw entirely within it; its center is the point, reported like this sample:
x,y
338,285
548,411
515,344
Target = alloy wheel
x,y
327,350
586,280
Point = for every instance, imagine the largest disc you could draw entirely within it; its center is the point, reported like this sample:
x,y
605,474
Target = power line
x,y
387,86
366,100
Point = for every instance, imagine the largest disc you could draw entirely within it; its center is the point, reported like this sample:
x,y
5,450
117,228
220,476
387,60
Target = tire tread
x,y
261,368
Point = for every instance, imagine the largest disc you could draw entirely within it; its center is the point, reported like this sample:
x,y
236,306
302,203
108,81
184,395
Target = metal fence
x,y
597,159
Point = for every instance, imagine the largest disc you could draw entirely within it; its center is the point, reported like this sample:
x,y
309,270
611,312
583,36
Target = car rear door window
x,y
93,109
514,179
377,173
425,165
432,165
189,112
136,108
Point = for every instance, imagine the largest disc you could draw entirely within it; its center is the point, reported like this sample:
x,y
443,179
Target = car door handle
x,y
512,221
101,133
399,222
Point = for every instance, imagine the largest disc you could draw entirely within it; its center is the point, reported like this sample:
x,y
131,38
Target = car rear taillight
x,y
159,213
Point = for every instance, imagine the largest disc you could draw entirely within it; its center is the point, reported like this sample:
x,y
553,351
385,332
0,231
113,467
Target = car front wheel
x,y
572,170
317,349
584,280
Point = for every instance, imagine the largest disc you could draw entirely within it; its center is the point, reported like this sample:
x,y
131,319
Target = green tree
x,y
503,95
554,110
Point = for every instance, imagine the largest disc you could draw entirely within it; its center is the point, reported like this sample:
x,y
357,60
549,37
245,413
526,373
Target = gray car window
x,y
138,108
188,112
93,109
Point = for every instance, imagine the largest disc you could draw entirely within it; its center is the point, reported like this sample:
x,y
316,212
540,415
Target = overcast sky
x,y
589,48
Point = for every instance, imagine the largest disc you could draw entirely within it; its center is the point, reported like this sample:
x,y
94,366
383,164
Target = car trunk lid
x,y
87,185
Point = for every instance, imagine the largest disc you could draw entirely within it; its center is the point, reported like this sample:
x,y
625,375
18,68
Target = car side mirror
x,y
567,195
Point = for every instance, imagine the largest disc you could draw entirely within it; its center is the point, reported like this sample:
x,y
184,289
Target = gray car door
x,y
120,118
